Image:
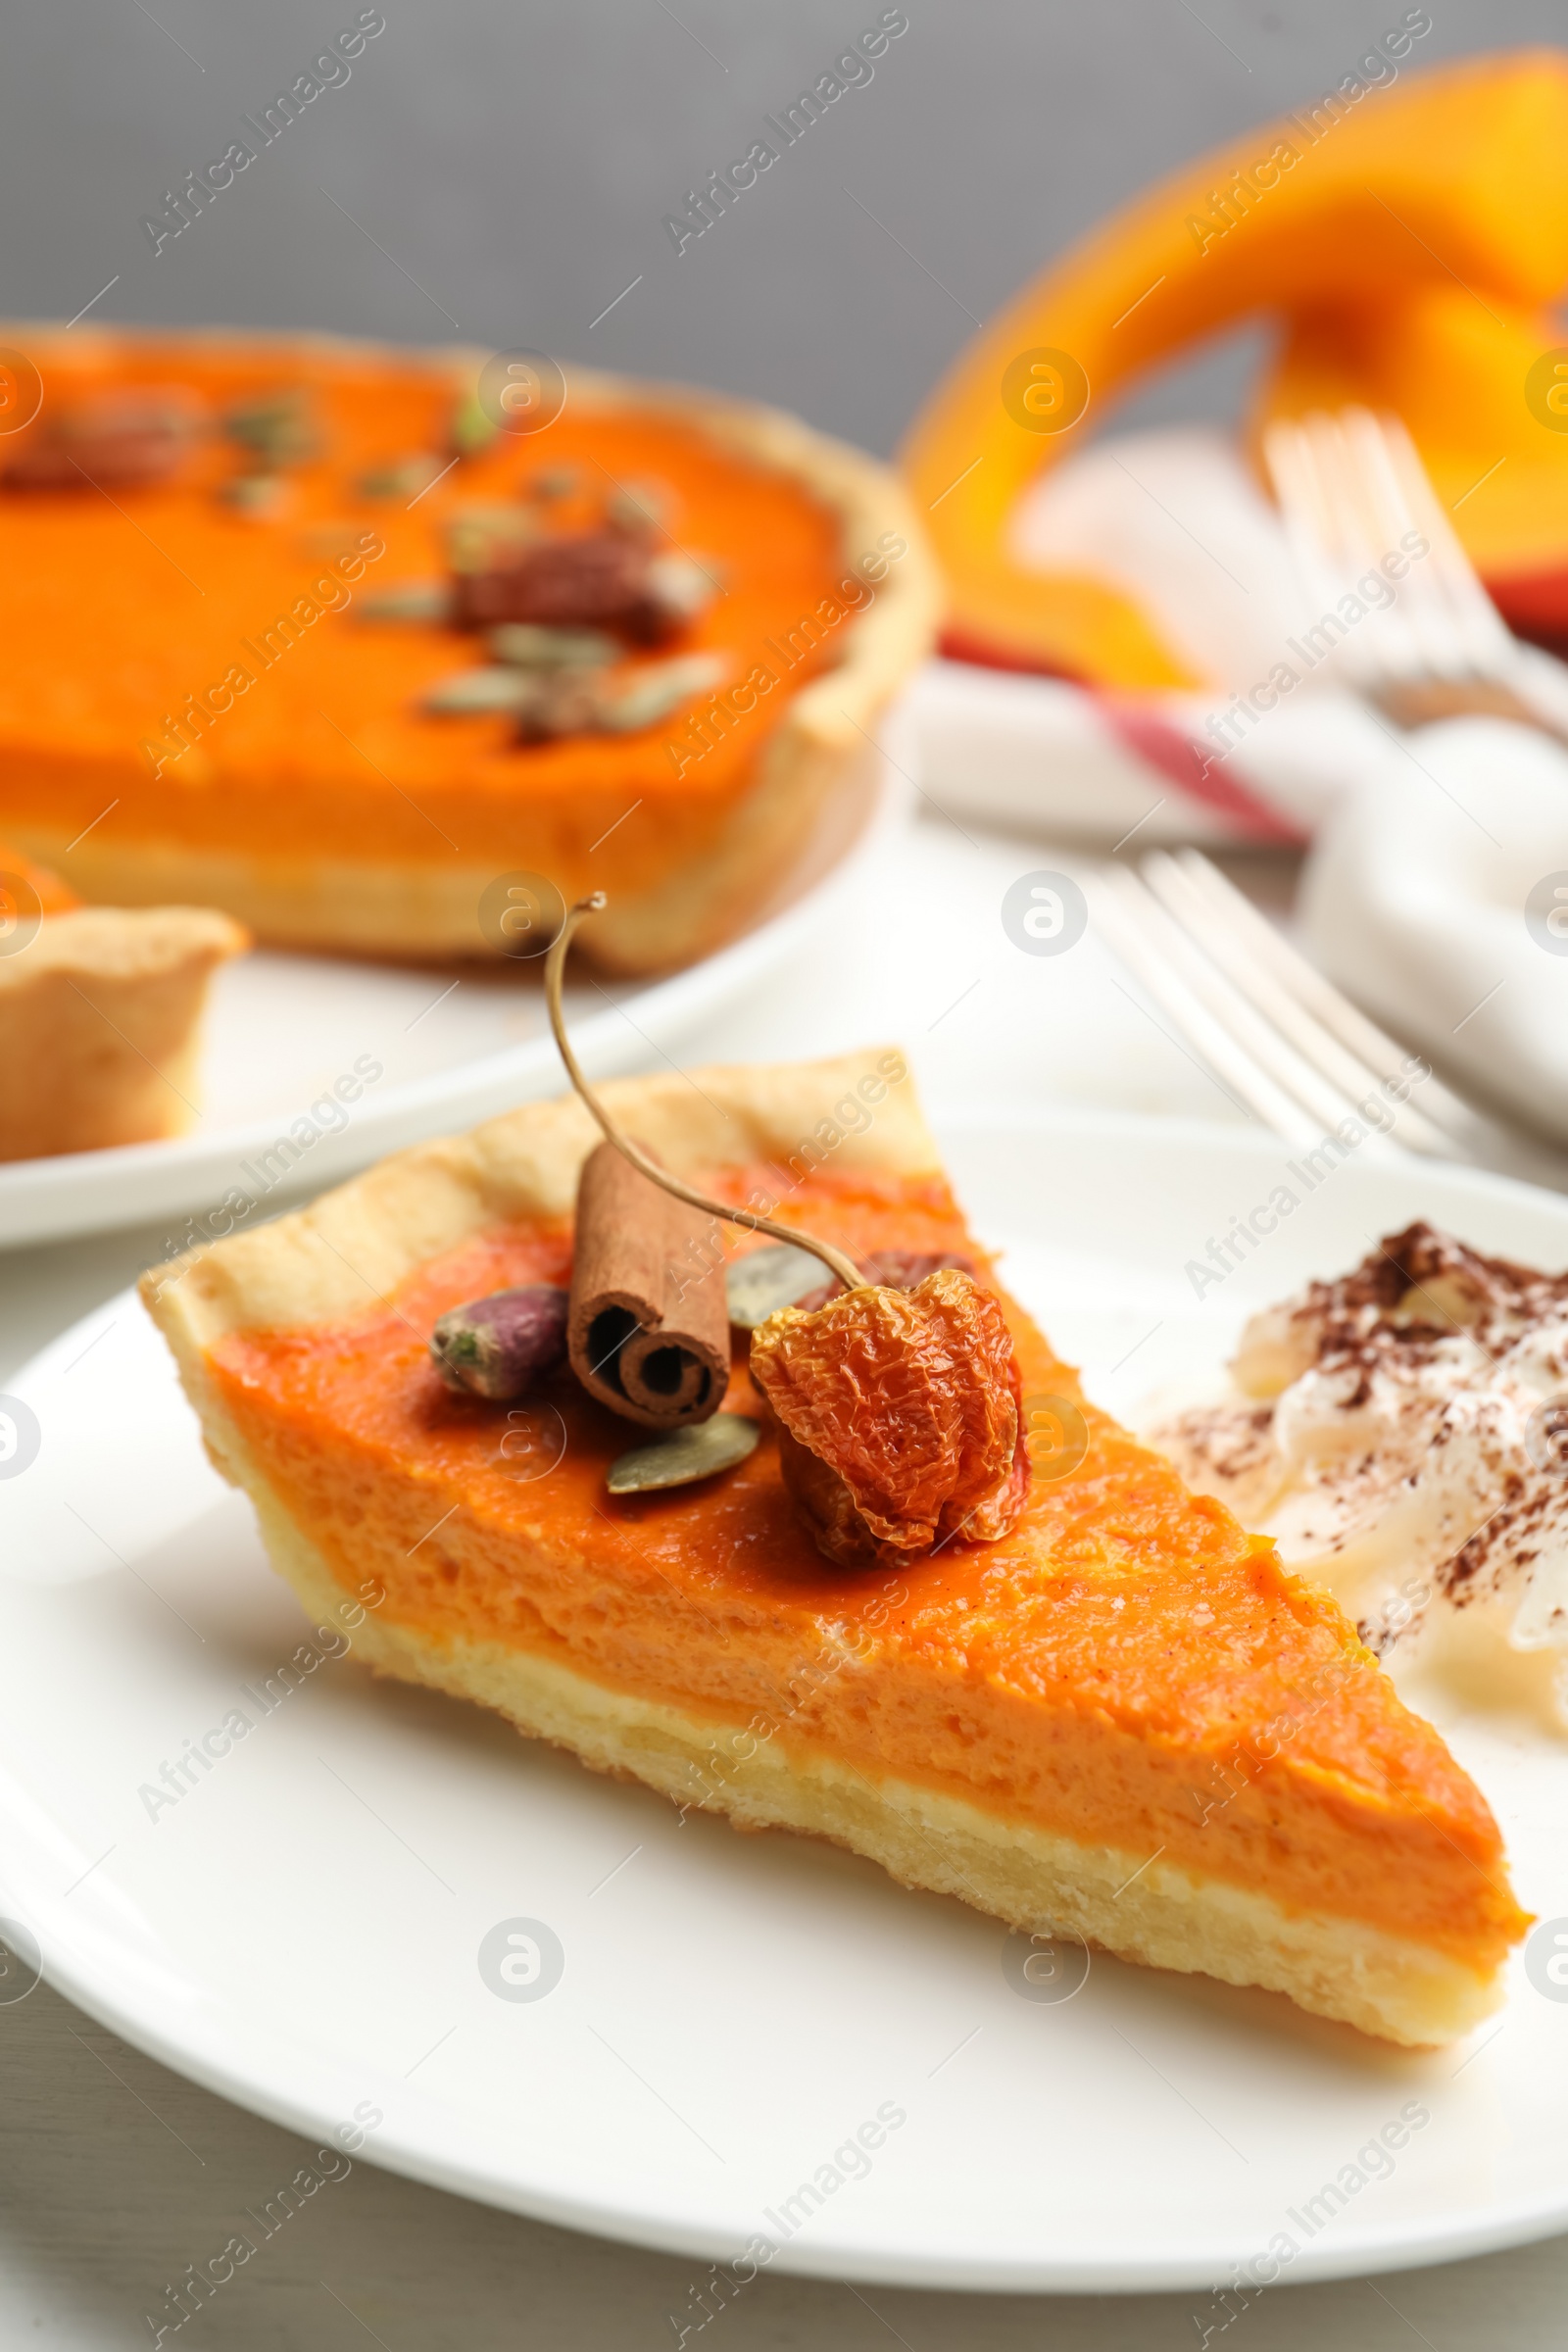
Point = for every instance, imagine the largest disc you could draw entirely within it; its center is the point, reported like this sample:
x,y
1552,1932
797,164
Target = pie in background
x,y
298,629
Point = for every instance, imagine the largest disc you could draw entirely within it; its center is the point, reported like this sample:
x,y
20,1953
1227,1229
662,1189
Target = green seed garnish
x,y
699,1451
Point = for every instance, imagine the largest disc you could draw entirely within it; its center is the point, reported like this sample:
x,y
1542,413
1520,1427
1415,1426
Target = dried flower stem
x,y
555,964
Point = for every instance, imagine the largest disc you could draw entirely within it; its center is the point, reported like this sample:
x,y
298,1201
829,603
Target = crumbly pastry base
x,y
1036,1881
100,1026
816,757
803,813
396,1217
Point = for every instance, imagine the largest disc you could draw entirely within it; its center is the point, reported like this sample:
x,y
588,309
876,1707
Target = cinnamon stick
x,y
648,1328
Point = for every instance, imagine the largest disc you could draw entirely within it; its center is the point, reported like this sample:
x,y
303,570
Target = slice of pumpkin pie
x,y
1087,1702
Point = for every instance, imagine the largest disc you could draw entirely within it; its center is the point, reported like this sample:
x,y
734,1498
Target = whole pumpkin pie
x,y
1122,1720
315,633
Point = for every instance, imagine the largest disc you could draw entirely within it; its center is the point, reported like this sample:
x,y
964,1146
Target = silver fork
x,y
1284,1043
1351,488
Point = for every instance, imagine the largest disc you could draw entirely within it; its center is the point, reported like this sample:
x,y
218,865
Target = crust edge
x,y
357,1243
1034,1880
101,1023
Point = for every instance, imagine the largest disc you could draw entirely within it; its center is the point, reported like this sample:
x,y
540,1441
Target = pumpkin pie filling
x,y
242,713
1128,1669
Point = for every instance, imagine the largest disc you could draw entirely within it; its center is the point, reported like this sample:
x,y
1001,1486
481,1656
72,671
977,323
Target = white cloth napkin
x,y
1428,846
1176,521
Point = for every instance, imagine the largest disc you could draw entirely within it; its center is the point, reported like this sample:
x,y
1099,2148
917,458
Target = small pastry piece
x,y
1123,1721
100,1015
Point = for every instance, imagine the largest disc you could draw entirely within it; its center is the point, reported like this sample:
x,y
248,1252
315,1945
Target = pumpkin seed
x,y
276,428
407,600
489,538
258,495
656,690
681,586
527,646
764,1280
639,506
402,477
699,1451
556,481
468,691
473,427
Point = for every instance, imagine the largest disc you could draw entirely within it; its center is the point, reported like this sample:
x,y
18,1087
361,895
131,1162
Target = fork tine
x,y
1418,633
1321,1097
1432,614
1303,512
1288,1070
1396,641
1350,485
1343,493
1487,643
1374,651
1239,1076
1209,921
1334,543
1370,1045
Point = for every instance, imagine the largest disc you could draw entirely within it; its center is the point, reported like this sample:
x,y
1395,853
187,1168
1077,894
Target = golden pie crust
x,y
100,1026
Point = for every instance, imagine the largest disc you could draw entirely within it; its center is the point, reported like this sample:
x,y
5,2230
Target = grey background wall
x,y
503,170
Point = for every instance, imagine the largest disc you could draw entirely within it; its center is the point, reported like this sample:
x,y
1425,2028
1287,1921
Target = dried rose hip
x,y
898,1413
897,1269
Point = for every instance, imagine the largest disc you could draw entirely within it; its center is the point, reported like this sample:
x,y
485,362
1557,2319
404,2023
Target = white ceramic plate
x,y
450,1048
303,1930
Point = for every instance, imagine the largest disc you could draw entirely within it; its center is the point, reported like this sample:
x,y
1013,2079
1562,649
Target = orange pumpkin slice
x,y
1411,238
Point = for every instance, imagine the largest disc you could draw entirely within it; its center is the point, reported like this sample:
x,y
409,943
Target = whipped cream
x,y
1403,1434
